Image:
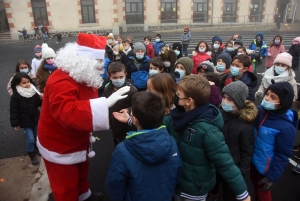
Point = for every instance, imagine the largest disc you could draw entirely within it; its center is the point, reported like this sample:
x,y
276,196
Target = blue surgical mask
x,y
216,46
151,72
229,49
177,52
235,71
181,72
220,67
109,40
118,82
157,40
227,107
267,105
139,56
279,69
24,70
201,49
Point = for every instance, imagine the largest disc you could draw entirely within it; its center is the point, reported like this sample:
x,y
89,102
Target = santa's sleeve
x,y
72,113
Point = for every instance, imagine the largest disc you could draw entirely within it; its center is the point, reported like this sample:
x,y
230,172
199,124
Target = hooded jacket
x,y
150,50
294,50
157,47
186,38
199,57
215,54
146,166
263,52
274,137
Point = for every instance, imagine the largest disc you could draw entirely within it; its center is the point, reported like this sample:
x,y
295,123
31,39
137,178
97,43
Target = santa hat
x,y
91,46
47,52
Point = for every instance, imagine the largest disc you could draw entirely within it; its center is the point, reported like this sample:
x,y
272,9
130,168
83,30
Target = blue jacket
x,y
274,136
138,74
105,67
157,47
146,166
186,38
263,50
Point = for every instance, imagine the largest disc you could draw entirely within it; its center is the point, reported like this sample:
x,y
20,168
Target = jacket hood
x,y
249,112
249,79
151,147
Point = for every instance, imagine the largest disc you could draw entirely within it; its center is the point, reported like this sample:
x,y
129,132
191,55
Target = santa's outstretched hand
x,y
118,95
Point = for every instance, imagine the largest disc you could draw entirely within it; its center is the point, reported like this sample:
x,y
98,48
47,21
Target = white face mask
x,y
167,64
201,49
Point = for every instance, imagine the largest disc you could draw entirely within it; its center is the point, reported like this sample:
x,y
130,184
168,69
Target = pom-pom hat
x,y
47,52
37,48
91,46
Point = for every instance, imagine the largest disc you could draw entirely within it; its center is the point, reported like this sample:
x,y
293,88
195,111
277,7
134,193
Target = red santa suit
x,y
70,112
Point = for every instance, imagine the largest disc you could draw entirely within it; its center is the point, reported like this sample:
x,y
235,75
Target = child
x,y
261,51
200,54
149,47
223,68
186,38
275,130
138,67
104,76
184,67
147,165
36,61
24,35
242,50
294,50
117,50
109,45
46,67
239,71
238,114
120,39
24,112
117,75
169,58
205,67
280,72
126,53
275,49
24,67
130,39
156,65
157,45
58,37
216,48
196,130
177,48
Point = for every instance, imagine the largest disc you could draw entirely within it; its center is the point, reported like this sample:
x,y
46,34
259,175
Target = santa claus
x,y
70,112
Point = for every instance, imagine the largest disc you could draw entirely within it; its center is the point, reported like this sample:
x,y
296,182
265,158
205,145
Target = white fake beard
x,y
81,68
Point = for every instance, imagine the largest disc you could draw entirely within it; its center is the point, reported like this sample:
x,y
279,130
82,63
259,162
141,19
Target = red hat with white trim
x,y
91,46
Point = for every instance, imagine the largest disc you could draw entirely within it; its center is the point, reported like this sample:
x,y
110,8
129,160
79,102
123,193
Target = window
x,y
229,10
256,11
168,11
88,11
134,12
39,12
200,11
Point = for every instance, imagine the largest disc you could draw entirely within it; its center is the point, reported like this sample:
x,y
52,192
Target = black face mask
x,y
176,100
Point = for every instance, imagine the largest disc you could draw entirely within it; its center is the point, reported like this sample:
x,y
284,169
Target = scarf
x,y
127,51
270,75
26,92
49,67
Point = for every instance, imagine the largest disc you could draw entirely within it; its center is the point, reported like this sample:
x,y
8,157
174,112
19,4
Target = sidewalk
x,y
21,181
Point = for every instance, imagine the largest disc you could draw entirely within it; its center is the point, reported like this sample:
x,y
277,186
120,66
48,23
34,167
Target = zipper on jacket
x,y
268,164
264,119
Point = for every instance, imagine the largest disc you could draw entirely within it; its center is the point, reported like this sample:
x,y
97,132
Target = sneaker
x,y
95,197
295,148
296,168
34,160
211,197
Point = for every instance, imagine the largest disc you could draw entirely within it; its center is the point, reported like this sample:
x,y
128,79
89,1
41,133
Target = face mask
x,y
181,72
146,42
279,69
229,49
277,42
268,105
201,49
239,53
220,68
151,72
235,47
109,41
177,52
24,70
167,64
50,61
176,103
139,56
258,39
235,71
118,83
216,46
185,32
157,39
38,54
227,107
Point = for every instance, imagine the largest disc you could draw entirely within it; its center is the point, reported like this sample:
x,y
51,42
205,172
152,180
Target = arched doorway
x,y
4,27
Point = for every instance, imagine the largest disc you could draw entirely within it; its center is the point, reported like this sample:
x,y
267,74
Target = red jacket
x,y
198,58
150,50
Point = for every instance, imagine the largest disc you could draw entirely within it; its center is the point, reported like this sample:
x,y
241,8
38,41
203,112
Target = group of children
x,y
178,108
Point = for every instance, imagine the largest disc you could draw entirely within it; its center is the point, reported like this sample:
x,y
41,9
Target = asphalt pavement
x,y
13,142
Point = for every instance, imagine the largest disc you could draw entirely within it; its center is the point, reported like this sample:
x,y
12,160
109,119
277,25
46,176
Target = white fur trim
x,y
99,110
63,159
194,53
208,53
250,51
90,52
85,195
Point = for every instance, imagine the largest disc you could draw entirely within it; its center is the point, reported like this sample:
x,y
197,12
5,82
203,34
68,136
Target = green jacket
x,y
202,148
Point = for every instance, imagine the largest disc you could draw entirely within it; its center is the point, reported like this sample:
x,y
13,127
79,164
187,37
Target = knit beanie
x,y
177,46
261,34
207,66
285,92
297,40
217,38
238,92
139,46
187,29
110,36
47,52
284,58
226,58
187,63
37,48
239,41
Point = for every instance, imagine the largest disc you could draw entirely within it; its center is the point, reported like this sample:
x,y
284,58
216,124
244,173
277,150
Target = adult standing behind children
x,y
158,44
200,54
275,48
185,38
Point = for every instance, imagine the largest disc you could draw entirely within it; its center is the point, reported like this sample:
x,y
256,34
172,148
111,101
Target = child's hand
x,y
41,96
16,128
122,116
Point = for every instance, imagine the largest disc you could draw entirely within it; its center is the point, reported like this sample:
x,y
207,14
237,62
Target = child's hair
x,y
197,47
149,109
18,78
147,37
213,77
158,35
165,86
40,72
243,59
115,67
125,41
229,42
192,86
244,49
22,61
158,62
272,43
232,36
130,38
119,36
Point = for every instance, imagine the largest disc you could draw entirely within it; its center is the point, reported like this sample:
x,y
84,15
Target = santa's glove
x,y
118,95
267,183
258,95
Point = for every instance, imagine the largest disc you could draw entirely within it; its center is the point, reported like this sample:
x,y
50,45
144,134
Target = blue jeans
x,y
30,133
184,49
